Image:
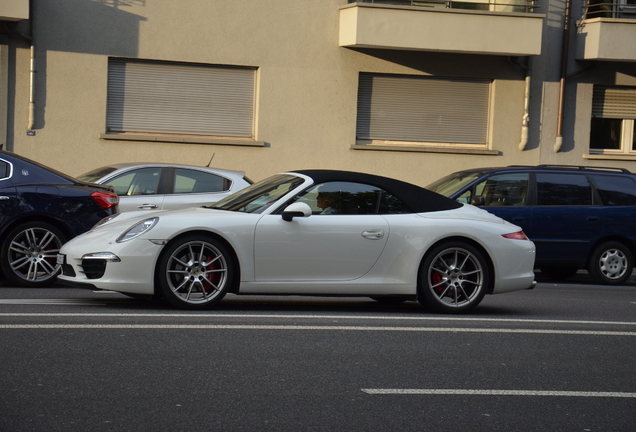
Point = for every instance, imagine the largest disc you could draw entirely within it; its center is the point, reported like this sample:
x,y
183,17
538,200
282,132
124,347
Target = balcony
x,y
476,27
606,31
14,10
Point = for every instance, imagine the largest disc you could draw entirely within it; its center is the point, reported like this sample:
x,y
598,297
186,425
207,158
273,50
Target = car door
x,y
138,189
339,242
565,219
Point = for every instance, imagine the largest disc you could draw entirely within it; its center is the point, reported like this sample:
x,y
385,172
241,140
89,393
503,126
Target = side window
x,y
143,181
4,170
192,181
563,189
504,190
615,190
347,198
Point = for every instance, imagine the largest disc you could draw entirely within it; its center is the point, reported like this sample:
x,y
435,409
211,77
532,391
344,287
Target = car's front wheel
x,y
611,264
195,272
453,278
29,254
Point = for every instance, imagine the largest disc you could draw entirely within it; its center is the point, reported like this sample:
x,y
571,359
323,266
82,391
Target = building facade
x,y
405,88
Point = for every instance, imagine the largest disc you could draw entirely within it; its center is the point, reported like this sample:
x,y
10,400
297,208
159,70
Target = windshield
x,y
257,197
450,184
96,174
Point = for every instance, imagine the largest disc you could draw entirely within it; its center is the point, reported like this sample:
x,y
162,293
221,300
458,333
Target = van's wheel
x,y
29,254
611,264
454,277
195,272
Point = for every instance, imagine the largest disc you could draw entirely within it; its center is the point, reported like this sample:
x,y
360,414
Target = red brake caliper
x,y
436,278
211,277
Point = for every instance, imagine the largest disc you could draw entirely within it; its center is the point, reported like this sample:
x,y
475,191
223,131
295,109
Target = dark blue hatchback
x,y
41,209
578,217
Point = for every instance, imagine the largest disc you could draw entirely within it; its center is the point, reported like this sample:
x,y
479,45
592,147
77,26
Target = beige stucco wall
x,y
306,96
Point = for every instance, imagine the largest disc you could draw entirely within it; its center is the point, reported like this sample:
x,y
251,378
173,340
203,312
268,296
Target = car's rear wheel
x,y
453,278
611,264
29,254
195,272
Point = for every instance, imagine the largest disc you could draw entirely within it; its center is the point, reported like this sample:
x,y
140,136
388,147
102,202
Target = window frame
x,y
448,98
199,103
615,103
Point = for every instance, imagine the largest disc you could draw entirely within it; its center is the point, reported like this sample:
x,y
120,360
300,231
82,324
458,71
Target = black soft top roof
x,y
418,199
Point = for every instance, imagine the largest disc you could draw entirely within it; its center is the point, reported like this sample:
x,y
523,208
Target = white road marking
x,y
321,317
82,302
462,392
298,327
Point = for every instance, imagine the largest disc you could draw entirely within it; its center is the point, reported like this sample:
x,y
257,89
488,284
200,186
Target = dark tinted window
x,y
4,169
615,190
563,189
348,198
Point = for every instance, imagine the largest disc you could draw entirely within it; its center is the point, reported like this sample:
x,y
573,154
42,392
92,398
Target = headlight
x,y
137,229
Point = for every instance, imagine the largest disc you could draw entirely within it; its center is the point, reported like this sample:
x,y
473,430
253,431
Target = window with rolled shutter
x,y
180,98
423,109
613,124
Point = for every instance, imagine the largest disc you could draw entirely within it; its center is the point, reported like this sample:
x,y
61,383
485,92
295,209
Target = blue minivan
x,y
578,217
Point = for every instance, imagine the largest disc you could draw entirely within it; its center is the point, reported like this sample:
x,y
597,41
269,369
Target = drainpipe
x,y
526,114
32,69
525,120
564,67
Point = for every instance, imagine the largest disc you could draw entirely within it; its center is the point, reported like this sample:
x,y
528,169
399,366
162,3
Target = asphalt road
x,y
558,358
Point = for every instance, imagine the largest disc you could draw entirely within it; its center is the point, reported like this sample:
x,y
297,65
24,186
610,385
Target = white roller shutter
x,y
423,109
614,102
177,98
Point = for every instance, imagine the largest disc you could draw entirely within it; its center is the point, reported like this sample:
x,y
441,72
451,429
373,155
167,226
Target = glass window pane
x,y
192,181
138,182
563,189
605,134
4,169
351,199
504,190
616,191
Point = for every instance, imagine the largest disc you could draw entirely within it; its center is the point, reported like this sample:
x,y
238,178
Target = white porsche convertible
x,y
312,232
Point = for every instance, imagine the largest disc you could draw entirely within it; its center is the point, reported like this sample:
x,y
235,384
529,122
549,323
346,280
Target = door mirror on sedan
x,y
298,209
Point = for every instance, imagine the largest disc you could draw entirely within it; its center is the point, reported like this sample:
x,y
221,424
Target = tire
x,y
29,254
611,264
559,273
195,272
454,277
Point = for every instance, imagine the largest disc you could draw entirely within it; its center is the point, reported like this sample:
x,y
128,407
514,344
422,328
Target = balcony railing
x,y
523,6
625,9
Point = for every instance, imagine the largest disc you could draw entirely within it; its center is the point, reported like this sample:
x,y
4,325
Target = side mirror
x,y
298,209
478,200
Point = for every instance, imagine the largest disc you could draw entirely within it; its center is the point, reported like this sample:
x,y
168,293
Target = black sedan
x,y
40,209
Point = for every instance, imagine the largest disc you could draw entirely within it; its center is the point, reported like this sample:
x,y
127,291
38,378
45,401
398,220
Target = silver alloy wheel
x,y
456,277
33,254
613,263
197,272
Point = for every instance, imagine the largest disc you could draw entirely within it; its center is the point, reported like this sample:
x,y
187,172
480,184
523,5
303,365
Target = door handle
x,y
4,198
147,206
593,218
518,219
373,234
